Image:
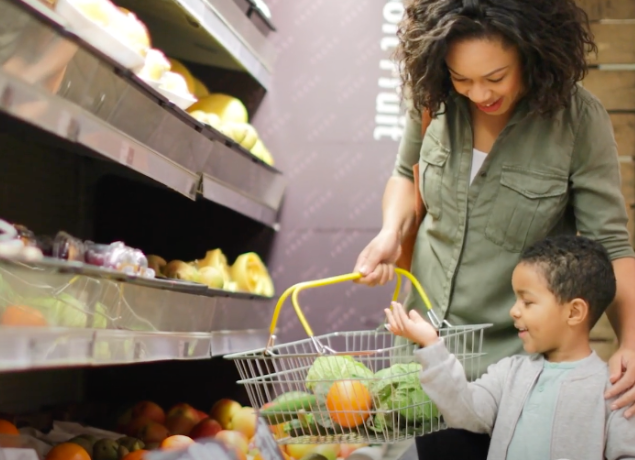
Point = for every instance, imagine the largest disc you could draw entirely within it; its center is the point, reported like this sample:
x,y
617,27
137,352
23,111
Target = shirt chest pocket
x,y
432,163
527,206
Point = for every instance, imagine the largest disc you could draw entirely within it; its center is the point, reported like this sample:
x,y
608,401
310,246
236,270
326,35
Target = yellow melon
x,y
200,90
228,108
178,67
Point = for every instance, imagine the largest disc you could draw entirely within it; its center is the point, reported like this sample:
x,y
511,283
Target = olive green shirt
x,y
542,177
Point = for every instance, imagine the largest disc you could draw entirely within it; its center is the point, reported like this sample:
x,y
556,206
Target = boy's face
x,y
537,314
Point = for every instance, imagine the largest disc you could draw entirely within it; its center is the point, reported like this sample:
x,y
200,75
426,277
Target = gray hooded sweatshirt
x,y
584,426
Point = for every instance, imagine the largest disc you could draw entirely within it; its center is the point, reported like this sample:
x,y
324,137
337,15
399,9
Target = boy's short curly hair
x,y
552,37
575,267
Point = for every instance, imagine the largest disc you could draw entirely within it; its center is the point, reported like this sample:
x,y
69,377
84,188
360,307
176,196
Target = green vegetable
x,y
332,368
63,310
100,318
287,408
397,388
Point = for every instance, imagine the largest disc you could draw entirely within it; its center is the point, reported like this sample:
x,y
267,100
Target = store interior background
x,y
318,120
329,121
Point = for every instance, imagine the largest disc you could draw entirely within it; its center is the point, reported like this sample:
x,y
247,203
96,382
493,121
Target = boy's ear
x,y
578,312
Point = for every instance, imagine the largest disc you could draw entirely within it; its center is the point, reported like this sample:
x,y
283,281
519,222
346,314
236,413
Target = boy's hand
x,y
411,326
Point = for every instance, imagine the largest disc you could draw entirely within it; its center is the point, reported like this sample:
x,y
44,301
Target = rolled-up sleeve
x,y
599,205
410,146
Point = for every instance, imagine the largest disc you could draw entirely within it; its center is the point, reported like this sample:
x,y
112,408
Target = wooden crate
x,y
616,89
604,348
615,41
624,128
608,9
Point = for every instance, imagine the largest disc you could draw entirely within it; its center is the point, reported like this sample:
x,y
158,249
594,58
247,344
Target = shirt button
x,y
484,174
541,389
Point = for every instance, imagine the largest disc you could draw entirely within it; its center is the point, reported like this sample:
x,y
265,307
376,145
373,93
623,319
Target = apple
x,y
124,420
183,409
180,424
244,420
347,449
153,432
223,411
207,427
201,415
300,450
176,441
181,418
135,425
233,439
150,410
330,451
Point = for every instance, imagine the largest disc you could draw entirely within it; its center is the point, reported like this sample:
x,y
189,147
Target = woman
x,y
516,151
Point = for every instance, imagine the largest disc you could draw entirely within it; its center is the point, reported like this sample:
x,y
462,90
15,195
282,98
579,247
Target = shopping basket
x,y
348,387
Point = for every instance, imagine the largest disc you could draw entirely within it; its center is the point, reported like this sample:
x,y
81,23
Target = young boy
x,y
549,405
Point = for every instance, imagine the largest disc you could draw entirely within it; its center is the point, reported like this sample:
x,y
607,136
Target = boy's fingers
x,y
391,321
415,316
397,312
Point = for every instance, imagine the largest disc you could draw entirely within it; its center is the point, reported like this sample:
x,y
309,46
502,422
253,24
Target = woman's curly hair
x,y
552,37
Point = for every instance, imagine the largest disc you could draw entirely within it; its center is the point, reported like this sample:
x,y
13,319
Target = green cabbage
x,y
398,388
331,368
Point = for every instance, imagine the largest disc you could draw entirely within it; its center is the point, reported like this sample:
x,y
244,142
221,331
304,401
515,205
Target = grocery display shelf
x,y
58,314
62,118
209,32
75,92
23,348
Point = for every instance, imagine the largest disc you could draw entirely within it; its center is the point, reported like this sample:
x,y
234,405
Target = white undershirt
x,y
478,158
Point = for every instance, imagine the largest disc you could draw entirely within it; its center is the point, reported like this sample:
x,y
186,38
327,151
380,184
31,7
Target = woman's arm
x,y
600,213
622,317
376,259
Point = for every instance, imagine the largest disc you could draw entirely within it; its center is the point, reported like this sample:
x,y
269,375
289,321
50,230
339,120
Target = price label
x,y
265,442
127,154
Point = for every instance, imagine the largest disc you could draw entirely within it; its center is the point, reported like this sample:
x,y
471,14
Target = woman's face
x,y
487,72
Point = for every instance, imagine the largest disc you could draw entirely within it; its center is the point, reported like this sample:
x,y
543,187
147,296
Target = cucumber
x,y
286,409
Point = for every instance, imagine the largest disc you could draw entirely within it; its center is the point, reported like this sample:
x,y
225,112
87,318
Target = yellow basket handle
x,y
294,291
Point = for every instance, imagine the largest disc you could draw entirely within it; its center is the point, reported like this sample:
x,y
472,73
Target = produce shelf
x,y
57,314
73,91
209,32
57,116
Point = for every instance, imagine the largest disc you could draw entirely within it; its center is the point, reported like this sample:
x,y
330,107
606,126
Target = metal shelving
x,y
52,80
97,317
211,32
82,96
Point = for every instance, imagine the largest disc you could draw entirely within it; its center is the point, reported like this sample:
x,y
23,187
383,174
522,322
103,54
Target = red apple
x,y
244,420
183,409
180,424
201,415
153,432
234,439
150,410
223,411
135,425
206,428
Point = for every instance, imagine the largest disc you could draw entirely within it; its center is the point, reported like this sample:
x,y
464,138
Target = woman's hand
x,y
411,325
377,261
622,371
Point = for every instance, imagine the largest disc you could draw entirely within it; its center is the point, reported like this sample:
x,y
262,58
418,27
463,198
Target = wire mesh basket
x,y
349,387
